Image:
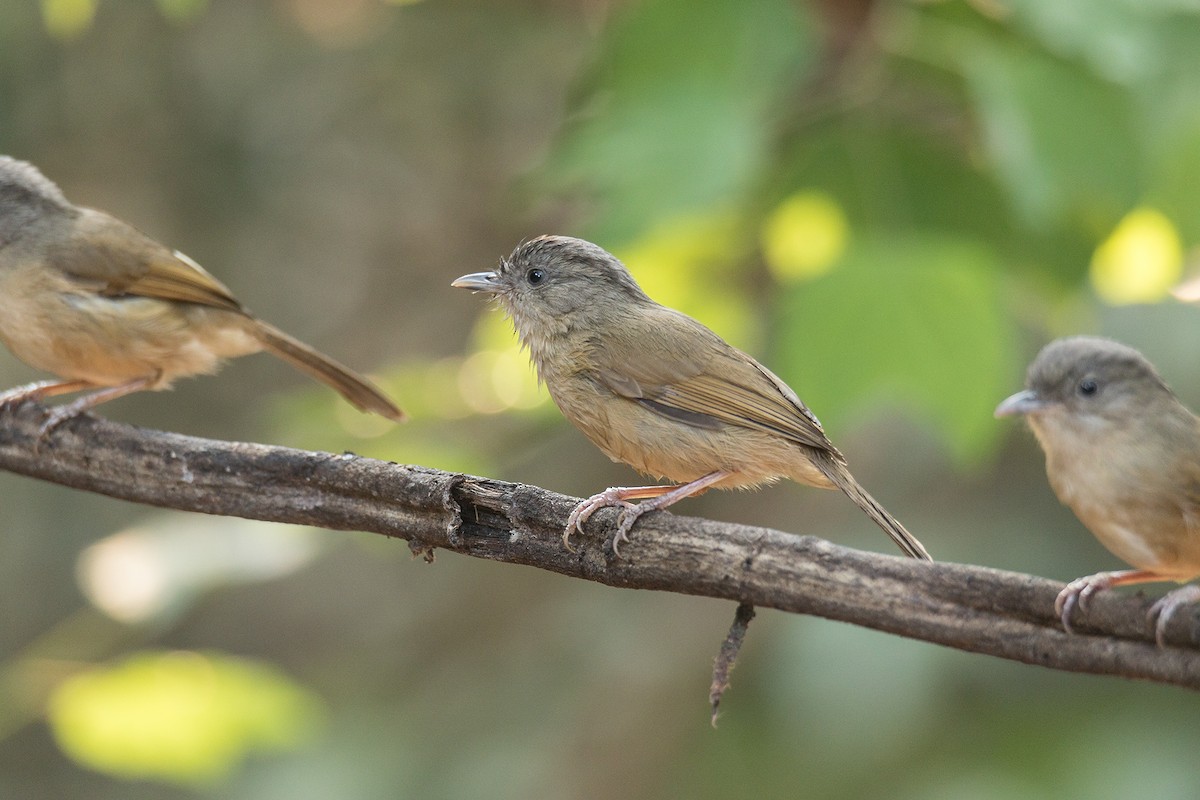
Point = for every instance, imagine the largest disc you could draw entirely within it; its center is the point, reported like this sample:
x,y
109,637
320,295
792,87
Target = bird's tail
x,y
360,392
837,473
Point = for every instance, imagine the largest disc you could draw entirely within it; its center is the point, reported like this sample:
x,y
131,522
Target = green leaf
x,y
1062,140
889,174
903,321
179,717
682,121
1175,180
1118,39
1047,126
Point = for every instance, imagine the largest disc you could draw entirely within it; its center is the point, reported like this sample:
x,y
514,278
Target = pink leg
x,y
660,497
1161,612
63,413
40,390
1079,591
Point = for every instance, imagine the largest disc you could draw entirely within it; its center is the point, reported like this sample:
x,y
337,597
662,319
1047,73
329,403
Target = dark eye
x,y
1088,387
535,276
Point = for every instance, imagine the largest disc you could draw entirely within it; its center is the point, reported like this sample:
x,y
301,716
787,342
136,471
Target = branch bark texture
x,y
970,608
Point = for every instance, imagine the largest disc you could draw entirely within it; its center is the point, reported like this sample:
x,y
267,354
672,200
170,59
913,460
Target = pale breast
x,y
1134,504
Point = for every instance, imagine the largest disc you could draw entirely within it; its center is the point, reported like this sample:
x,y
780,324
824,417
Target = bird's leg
x,y
1079,591
1165,607
658,497
40,390
64,412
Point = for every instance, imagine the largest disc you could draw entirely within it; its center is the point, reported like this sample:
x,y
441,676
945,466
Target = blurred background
x,y
892,203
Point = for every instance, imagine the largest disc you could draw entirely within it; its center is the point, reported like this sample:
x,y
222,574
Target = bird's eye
x,y
535,276
1088,387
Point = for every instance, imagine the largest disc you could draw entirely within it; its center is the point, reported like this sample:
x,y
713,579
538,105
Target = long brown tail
x,y
360,392
840,476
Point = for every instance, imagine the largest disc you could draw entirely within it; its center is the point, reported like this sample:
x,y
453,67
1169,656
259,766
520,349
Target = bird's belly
x,y
665,448
1133,524
108,341
1124,539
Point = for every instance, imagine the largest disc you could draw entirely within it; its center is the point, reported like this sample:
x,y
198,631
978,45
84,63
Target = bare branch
x,y
971,608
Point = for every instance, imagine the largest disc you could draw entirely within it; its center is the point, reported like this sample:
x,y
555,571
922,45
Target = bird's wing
x,y
676,367
1188,473
117,260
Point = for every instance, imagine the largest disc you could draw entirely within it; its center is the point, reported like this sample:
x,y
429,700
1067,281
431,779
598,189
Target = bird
x,y
1123,453
110,311
657,390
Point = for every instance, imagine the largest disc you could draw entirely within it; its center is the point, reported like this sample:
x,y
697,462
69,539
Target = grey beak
x,y
479,282
1026,402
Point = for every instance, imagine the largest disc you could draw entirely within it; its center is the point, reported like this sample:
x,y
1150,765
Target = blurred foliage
x,y
927,328
67,19
676,111
183,717
891,202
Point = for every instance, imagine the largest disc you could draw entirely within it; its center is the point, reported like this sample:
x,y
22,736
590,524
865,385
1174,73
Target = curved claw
x,y
55,418
1078,593
1164,609
567,539
1064,606
584,510
628,518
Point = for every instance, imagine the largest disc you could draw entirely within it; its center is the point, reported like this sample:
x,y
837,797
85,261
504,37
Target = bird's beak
x,y
479,282
1026,402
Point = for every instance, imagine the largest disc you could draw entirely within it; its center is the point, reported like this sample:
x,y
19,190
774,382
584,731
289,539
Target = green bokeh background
x,y
338,162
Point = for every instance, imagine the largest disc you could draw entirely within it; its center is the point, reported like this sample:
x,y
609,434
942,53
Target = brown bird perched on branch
x,y
1124,454
111,311
657,390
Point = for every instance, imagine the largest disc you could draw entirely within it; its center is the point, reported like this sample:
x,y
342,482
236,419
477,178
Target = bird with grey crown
x,y
657,390
1124,454
111,311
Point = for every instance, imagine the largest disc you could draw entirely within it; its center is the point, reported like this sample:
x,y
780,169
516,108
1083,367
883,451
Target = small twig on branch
x,y
971,608
727,657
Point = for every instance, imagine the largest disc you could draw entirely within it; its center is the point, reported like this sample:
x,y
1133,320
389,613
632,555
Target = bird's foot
x,y
40,390
55,417
1164,609
616,497
609,498
629,516
653,498
1078,593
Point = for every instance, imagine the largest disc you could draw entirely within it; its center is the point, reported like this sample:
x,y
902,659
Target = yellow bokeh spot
x,y
182,717
493,331
66,19
492,381
804,236
670,260
514,379
1140,260
691,263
